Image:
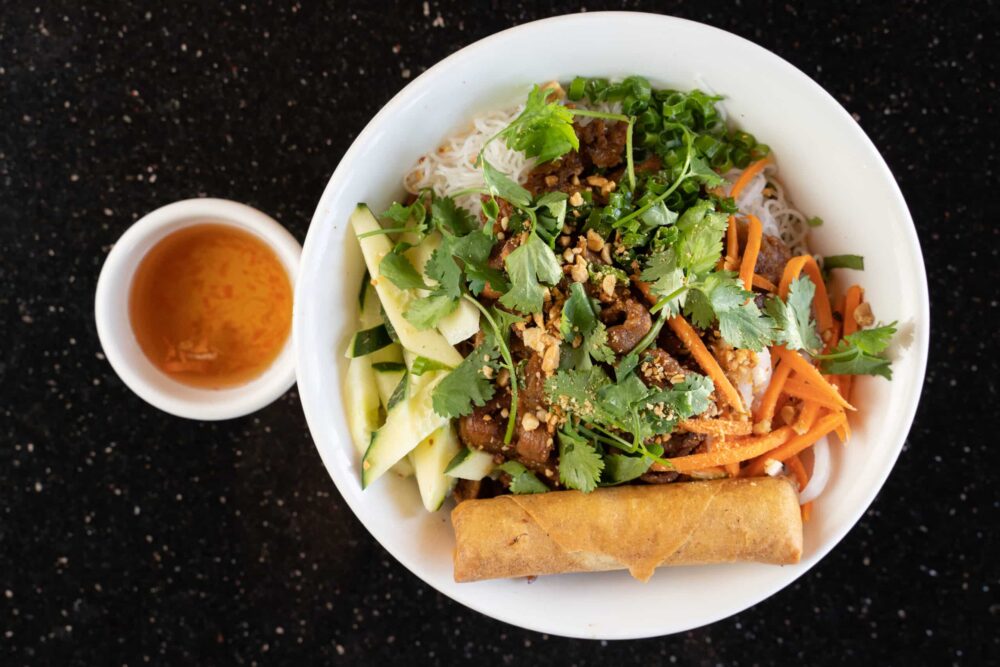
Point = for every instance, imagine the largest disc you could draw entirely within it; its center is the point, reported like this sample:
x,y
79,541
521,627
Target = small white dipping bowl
x,y
829,168
114,328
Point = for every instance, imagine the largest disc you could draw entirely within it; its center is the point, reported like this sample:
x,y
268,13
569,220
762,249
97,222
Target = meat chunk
x,y
484,427
658,368
771,259
625,336
602,143
562,174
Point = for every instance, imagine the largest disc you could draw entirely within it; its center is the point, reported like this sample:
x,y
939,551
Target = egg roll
x,y
634,528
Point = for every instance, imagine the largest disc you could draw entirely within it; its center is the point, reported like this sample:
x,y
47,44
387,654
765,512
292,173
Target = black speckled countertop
x,y
130,537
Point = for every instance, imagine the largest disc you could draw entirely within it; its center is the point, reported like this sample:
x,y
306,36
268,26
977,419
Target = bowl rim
x,y
920,291
111,309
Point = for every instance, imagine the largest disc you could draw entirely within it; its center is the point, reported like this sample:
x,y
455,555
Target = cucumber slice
x,y
423,365
408,422
463,322
428,343
370,313
367,341
430,458
388,376
473,464
362,403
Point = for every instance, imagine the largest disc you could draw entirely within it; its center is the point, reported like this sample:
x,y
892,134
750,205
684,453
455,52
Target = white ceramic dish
x,y
115,330
817,145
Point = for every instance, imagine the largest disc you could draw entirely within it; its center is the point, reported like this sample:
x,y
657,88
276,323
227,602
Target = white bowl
x,y
115,330
830,168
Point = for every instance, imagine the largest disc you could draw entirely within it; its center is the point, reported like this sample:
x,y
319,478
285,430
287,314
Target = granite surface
x,y
131,537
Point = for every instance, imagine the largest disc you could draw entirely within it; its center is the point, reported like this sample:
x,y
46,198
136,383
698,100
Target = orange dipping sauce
x,y
211,306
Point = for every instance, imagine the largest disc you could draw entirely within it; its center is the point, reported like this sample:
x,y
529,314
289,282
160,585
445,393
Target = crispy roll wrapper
x,y
634,528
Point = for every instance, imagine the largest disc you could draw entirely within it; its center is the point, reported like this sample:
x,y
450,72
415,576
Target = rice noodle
x,y
820,472
452,167
777,215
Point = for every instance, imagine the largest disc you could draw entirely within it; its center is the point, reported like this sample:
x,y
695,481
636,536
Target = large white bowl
x,y
830,168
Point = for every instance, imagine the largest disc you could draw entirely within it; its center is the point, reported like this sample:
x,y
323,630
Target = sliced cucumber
x,y
423,365
408,422
473,464
367,341
461,323
362,401
387,378
430,458
370,313
429,343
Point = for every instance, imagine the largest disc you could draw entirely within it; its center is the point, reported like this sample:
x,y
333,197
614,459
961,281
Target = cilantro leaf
x,y
701,171
442,268
699,245
446,214
666,279
500,185
531,262
580,464
522,480
579,320
575,391
401,272
402,215
543,130
861,353
794,325
425,313
721,296
687,398
465,386
423,365
745,328
620,468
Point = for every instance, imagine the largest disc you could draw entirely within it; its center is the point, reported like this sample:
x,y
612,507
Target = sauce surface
x,y
211,306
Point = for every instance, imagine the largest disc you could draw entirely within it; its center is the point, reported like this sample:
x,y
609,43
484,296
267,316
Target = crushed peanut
x,y
597,181
863,315
488,372
551,180
529,422
504,222
579,272
608,188
550,360
576,199
608,284
606,254
568,255
503,377
594,241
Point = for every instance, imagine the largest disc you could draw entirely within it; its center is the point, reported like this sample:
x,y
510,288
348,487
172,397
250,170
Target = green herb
x,y
500,185
522,480
425,313
861,353
446,214
401,272
497,335
815,221
579,319
856,262
466,386
423,365
580,464
544,130
794,325
721,296
621,468
531,263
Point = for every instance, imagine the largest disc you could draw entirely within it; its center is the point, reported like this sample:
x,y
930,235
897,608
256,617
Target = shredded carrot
x,y
807,510
768,402
855,295
732,469
732,244
748,175
755,233
795,445
720,427
801,476
810,394
737,450
821,300
763,283
707,362
811,375
808,414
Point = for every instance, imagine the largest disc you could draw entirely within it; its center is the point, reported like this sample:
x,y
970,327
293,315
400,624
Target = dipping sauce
x,y
211,306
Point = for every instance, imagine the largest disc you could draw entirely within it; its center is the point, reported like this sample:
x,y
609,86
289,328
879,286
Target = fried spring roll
x,y
637,528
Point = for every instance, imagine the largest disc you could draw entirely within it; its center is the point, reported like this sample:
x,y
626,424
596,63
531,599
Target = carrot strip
x,y
732,244
798,470
821,300
754,235
855,295
741,450
721,427
705,359
768,402
732,469
748,175
810,394
763,283
811,375
808,415
807,510
795,445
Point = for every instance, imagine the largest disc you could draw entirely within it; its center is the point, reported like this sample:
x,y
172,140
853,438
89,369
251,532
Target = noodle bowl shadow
x,y
815,142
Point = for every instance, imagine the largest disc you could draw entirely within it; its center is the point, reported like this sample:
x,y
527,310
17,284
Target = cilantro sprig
x,y
860,353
